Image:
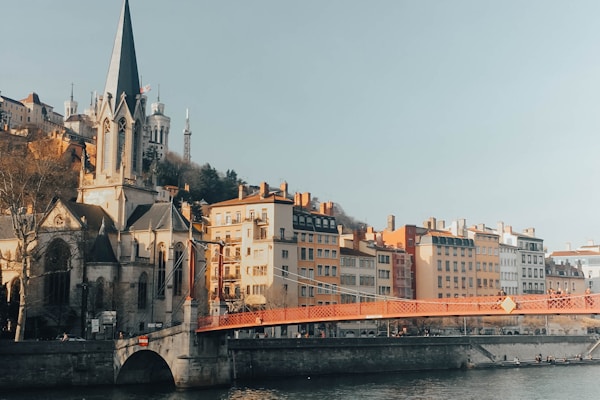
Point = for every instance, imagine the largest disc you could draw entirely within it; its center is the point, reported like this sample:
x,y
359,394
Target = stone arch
x,y
144,366
57,273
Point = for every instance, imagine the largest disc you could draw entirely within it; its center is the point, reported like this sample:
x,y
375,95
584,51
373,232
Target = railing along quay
x,y
401,308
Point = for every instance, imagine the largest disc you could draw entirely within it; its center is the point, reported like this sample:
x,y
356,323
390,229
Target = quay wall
x,y
55,364
46,364
268,358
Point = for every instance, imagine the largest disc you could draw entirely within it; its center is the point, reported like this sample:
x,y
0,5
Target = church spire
x,y
123,72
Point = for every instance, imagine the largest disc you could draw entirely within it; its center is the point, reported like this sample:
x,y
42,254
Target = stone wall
x,y
268,358
56,364
218,361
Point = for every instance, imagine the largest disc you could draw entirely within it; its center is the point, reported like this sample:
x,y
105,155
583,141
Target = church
x,y
121,259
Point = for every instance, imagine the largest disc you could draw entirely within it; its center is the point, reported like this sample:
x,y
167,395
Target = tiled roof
x,y
255,199
574,253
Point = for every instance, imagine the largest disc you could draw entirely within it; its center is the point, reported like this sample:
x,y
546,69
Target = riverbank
x,y
92,363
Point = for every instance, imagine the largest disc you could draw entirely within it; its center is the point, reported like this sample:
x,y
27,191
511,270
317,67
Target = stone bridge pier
x,y
177,354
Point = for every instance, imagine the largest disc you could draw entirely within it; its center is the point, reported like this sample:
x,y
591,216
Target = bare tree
x,y
29,180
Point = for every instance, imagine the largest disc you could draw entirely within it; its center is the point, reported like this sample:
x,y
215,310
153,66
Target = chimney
x,y
284,189
529,232
264,190
302,200
391,223
440,225
430,223
240,192
481,227
568,246
500,228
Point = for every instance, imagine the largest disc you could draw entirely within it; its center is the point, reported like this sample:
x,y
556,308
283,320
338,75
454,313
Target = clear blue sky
x,y
484,110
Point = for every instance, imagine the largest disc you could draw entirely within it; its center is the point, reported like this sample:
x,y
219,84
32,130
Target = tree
x,y
29,180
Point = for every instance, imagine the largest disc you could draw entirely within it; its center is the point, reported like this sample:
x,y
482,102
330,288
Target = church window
x,y
142,294
121,141
106,145
178,270
99,298
162,135
136,146
162,269
57,278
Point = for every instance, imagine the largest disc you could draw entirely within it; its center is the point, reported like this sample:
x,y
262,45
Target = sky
x,y
480,110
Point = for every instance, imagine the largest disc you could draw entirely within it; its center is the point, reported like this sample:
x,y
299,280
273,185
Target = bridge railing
x,y
400,308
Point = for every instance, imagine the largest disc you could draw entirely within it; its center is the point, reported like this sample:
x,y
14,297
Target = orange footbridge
x,y
402,308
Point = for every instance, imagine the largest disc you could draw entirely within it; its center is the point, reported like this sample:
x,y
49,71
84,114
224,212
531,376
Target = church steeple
x,y
123,74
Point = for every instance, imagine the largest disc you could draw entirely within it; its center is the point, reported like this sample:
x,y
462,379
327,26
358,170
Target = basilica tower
x,y
118,185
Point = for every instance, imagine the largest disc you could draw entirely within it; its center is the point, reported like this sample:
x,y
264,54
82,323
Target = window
x,y
447,266
303,253
178,269
319,270
162,263
333,270
57,279
285,270
142,295
439,281
284,254
310,238
311,254
447,281
439,265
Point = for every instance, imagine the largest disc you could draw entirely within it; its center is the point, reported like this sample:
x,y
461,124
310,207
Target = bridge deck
x,y
399,308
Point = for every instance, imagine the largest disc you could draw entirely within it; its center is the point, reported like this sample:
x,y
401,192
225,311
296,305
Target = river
x,y
579,382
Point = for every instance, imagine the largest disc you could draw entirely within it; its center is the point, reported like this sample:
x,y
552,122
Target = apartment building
x,y
445,266
254,257
487,260
509,272
318,252
587,256
530,258
565,278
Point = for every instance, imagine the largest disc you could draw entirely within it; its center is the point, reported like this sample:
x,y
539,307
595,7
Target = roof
x,y
32,98
574,253
254,199
346,251
157,216
94,216
102,251
12,100
6,228
123,74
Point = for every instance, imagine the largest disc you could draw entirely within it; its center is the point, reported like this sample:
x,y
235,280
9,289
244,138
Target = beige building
x,y
259,257
445,266
487,261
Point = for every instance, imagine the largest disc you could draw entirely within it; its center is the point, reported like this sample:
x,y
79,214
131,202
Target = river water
x,y
579,382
